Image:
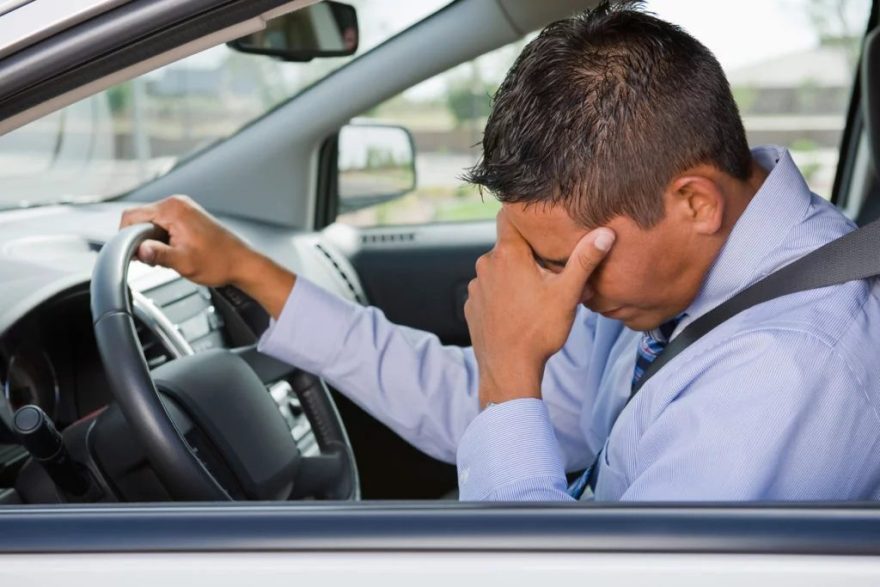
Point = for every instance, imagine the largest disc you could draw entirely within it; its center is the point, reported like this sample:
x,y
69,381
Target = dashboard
x,y
48,353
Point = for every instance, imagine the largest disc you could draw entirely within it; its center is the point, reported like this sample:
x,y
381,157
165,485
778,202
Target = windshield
x,y
131,133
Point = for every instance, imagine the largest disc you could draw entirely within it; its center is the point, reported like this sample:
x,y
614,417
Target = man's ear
x,y
698,200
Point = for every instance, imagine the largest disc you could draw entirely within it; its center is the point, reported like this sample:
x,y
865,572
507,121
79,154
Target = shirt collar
x,y
781,203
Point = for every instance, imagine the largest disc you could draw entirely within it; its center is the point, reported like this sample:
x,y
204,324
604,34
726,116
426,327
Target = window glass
x,y
127,135
446,115
791,64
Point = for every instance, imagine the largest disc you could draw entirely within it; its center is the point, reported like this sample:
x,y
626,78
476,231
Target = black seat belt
x,y
853,256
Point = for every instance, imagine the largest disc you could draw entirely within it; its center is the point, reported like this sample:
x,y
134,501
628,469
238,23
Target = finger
x,y
508,235
162,213
587,254
481,264
472,287
471,300
138,215
154,252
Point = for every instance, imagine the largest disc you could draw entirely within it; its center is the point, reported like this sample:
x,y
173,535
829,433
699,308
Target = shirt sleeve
x,y
510,453
426,392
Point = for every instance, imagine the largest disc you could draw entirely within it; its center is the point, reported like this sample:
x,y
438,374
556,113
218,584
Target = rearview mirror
x,y
376,163
328,29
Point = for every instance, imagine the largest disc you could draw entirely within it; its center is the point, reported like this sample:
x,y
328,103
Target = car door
x,y
439,543
436,544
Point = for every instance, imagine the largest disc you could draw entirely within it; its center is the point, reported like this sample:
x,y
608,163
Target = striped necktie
x,y
651,345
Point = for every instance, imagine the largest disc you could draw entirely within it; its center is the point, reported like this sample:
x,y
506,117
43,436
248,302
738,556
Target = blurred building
x,y
796,99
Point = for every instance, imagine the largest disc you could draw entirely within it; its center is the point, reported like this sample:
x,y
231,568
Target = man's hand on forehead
x,y
520,314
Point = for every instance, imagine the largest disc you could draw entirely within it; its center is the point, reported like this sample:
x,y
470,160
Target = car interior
x,y
150,387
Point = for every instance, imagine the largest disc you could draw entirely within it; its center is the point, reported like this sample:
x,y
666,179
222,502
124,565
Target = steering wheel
x,y
206,422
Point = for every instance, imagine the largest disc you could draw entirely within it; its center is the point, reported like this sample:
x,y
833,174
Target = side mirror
x,y
376,163
328,29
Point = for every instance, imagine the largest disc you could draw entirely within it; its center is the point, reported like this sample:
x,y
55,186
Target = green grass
x,y
468,210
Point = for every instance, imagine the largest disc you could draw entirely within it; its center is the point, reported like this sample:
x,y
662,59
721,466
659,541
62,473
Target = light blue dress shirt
x,y
782,402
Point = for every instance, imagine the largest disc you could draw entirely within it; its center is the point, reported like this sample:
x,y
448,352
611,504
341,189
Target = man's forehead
x,y
549,231
541,216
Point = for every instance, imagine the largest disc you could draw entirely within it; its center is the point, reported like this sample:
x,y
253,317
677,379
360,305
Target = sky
x,y
743,32
738,32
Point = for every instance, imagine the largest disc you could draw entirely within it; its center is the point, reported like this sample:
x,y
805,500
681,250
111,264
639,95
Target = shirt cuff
x,y
310,329
507,446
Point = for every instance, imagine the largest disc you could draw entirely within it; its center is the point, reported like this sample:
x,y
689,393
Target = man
x,y
631,206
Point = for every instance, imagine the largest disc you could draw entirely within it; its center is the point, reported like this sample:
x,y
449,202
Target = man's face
x,y
645,279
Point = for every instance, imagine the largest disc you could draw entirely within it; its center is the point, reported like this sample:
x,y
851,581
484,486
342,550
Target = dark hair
x,y
601,110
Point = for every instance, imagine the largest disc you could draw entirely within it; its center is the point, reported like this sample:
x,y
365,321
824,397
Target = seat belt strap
x,y
851,257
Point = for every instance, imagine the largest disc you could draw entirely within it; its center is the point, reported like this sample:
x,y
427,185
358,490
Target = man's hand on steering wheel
x,y
204,251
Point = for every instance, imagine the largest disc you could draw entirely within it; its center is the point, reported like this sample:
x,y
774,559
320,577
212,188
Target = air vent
x,y
342,274
189,307
372,238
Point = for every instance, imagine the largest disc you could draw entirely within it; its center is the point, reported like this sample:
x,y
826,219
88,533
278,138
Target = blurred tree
x,y
119,98
468,104
834,19
838,22
469,98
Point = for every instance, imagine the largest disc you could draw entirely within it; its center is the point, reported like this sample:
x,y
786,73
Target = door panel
x,y
418,275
